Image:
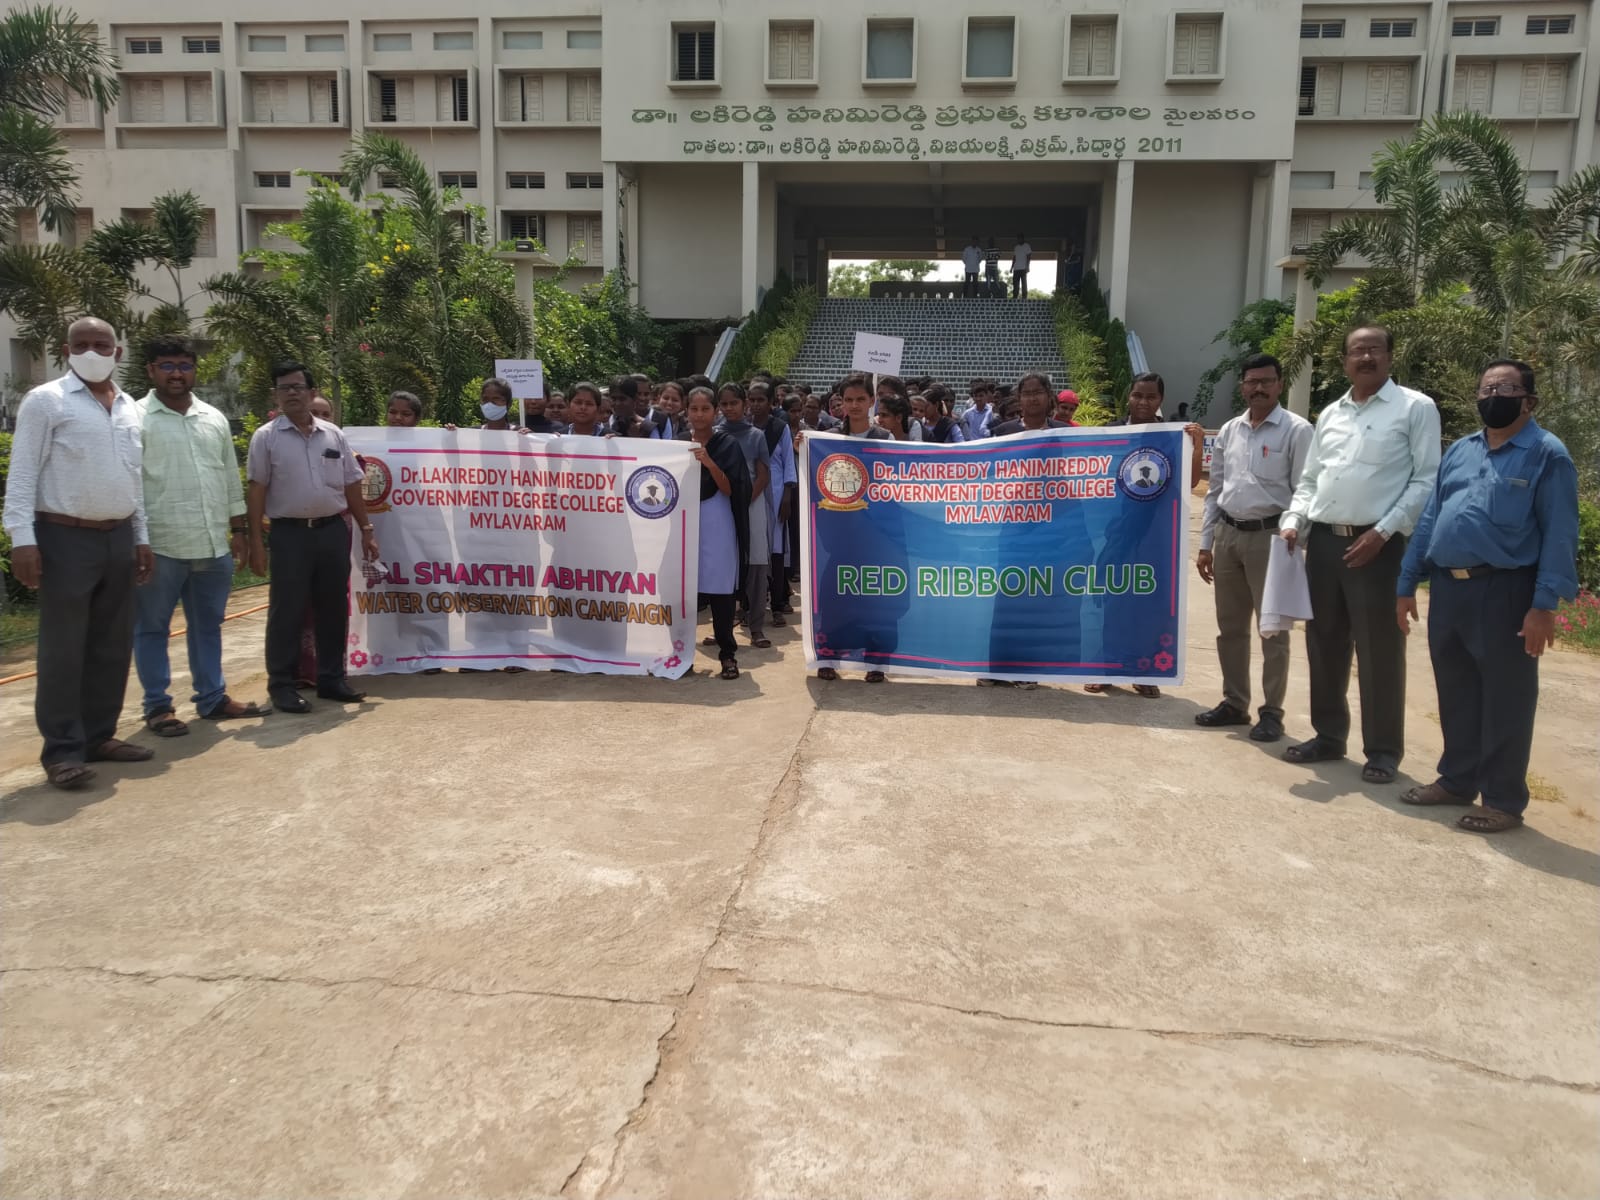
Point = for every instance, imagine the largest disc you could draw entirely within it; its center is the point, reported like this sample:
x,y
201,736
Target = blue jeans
x,y
202,585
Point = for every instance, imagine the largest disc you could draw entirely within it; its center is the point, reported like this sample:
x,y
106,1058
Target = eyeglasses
x,y
290,389
174,368
1503,389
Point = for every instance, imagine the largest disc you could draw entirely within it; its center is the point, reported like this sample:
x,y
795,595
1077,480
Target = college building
x,y
1182,151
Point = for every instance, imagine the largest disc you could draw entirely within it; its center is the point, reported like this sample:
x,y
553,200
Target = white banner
x,y
508,550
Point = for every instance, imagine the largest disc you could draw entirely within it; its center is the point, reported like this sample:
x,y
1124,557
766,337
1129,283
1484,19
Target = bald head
x,y
91,327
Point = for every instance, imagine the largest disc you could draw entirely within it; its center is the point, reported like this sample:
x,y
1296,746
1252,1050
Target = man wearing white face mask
x,y
75,512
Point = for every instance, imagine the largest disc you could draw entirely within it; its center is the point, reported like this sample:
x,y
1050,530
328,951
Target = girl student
x,y
724,519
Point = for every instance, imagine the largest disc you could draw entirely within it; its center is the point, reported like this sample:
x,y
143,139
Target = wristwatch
x,y
366,528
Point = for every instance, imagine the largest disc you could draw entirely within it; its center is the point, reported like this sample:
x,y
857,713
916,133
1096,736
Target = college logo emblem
x,y
652,492
842,480
1144,474
376,484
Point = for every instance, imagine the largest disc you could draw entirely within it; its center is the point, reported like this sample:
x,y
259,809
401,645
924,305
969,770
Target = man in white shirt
x,y
972,263
75,512
1021,257
194,504
979,420
1255,465
1369,471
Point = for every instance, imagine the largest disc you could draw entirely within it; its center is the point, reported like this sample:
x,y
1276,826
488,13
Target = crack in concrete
x,y
1299,1040
312,981
783,799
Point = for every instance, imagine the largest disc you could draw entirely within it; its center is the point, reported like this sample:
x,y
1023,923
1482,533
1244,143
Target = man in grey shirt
x,y
1255,465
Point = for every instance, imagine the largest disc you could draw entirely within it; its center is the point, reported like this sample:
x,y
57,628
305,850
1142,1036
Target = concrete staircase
x,y
953,340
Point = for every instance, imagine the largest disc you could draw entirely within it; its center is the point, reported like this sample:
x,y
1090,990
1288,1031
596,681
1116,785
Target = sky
x,y
1041,274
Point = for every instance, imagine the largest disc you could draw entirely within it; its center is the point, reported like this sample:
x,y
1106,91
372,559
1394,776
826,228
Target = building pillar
x,y
1277,232
610,234
1255,269
1121,240
1305,314
750,237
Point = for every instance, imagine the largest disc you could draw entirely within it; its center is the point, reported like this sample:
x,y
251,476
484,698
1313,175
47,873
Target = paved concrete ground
x,y
508,936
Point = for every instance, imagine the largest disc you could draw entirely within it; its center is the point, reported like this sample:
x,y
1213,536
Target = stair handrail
x,y
719,354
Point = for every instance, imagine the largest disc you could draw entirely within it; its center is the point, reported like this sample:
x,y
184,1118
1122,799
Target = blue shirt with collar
x,y
1514,506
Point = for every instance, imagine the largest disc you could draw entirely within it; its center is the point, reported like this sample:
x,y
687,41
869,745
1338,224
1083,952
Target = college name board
x,y
911,132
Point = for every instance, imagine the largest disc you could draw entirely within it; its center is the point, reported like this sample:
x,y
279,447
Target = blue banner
x,y
1045,556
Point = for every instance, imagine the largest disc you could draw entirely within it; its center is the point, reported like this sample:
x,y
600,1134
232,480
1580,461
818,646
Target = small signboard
x,y
877,353
525,375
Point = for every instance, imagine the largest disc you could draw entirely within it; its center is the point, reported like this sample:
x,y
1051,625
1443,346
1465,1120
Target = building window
x,y
334,177
269,100
27,227
391,41
991,55
522,39
267,43
791,52
1321,29
583,99
197,107
1472,87
458,179
454,98
694,53
202,45
523,180
1364,181
521,98
79,110
1393,29
1544,89
1306,228
325,101
1389,90
580,180
1479,27
388,179
583,39
324,43
1197,46
144,45
1540,179
583,237
524,226
1319,89
147,101
395,100
1092,47
77,232
1543,25
461,40
205,245
272,179
1310,181
891,51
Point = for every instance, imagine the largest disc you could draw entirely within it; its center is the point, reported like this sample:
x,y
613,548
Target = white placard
x,y
525,375
877,353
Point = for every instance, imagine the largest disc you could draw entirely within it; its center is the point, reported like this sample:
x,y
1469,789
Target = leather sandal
x,y
165,724
115,750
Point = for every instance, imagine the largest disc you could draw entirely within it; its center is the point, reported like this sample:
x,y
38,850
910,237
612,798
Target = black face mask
x,y
1499,411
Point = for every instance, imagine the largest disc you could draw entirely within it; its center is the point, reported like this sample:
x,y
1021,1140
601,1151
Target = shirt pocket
x,y
129,442
1510,504
1383,447
1270,465
333,472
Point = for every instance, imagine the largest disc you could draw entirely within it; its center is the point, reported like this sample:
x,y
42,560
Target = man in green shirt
x,y
194,504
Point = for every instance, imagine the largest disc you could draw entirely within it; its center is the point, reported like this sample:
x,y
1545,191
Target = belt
x,y
79,522
1343,530
1253,526
305,522
1469,572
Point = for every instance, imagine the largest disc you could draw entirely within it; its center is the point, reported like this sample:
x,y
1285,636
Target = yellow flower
x,y
385,258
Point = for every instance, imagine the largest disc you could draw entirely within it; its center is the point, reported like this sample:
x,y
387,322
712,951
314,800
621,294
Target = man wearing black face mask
x,y
1498,541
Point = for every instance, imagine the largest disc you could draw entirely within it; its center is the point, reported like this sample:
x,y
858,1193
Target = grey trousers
x,y
1355,616
85,636
1239,561
755,590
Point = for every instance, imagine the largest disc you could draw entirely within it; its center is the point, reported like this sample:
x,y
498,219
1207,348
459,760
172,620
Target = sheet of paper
x,y
1286,597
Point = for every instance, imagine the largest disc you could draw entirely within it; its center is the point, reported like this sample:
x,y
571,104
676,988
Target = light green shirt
x,y
191,479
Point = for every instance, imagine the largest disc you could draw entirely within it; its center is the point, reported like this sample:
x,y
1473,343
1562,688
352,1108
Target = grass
x,y
19,620
1578,623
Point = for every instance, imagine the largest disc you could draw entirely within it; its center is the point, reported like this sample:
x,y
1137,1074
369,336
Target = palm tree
x,y
46,54
46,288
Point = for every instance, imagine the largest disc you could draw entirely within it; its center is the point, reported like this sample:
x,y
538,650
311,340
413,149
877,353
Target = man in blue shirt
x,y
1498,540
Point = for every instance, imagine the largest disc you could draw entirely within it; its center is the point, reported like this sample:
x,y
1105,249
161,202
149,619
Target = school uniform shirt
x,y
1007,428
784,473
1254,469
71,456
1514,506
977,422
305,474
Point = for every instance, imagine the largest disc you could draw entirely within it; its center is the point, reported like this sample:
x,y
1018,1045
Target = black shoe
x,y
343,693
1268,729
1222,714
1317,749
290,701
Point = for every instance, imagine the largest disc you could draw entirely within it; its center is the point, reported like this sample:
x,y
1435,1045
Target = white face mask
x,y
492,412
92,367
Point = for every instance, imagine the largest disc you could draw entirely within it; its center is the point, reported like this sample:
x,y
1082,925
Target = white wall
x,y
688,259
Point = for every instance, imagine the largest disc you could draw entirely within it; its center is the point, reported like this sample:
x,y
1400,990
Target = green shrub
x,y
741,360
779,348
1589,545
1094,412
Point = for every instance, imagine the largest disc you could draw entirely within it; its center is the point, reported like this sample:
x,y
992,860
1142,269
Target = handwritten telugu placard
x,y
877,353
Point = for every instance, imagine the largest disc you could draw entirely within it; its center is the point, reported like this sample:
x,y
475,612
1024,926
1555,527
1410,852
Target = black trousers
x,y
721,605
969,284
793,569
778,588
1354,613
1019,284
1488,684
310,567
85,636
